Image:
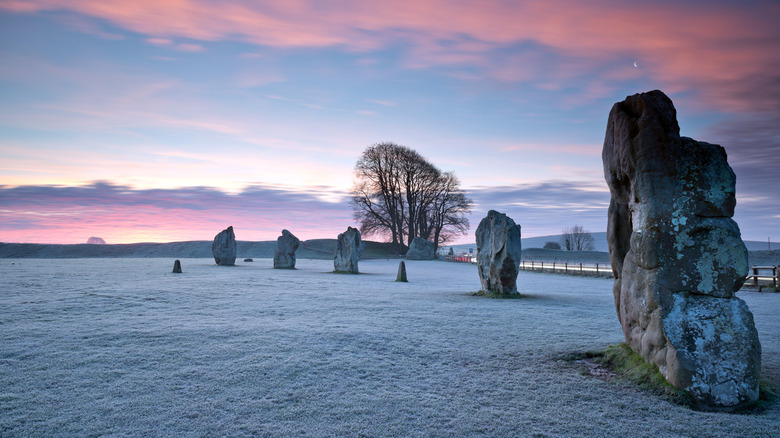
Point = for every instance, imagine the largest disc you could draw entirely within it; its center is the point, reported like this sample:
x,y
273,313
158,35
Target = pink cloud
x,y
119,214
683,46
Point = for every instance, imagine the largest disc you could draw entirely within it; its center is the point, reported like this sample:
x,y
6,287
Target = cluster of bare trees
x,y
577,238
399,195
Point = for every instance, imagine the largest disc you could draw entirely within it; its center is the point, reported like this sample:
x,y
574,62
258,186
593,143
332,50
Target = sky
x,y
169,120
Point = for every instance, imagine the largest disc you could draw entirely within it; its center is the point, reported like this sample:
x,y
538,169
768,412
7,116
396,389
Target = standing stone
x,y
177,267
677,256
401,273
421,249
224,247
286,245
498,253
348,249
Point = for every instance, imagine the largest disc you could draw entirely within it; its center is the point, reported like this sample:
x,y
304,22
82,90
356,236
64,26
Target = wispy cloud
x,y
71,214
717,50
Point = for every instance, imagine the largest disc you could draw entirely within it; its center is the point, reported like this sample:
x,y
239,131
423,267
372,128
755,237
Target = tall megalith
x,y
348,249
498,253
677,256
421,249
284,255
224,247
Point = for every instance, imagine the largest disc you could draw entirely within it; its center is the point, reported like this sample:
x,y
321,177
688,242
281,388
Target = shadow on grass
x,y
351,273
620,363
517,296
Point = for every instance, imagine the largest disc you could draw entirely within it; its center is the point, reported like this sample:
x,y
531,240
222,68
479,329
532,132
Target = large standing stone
x,y
498,253
284,256
177,266
421,249
224,247
677,255
348,249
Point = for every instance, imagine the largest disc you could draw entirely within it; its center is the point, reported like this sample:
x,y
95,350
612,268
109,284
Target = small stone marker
x,y
401,273
177,267
248,260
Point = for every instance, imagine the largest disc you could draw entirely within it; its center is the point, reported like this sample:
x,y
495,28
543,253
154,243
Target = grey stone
x,y
284,255
224,247
677,255
249,260
401,273
498,253
421,249
348,249
96,241
177,267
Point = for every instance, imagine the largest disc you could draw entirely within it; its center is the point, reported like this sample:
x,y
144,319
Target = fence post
x,y
532,265
553,266
597,269
755,276
542,268
566,267
580,268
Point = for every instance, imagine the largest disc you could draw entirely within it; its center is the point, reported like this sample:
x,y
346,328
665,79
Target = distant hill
x,y
310,249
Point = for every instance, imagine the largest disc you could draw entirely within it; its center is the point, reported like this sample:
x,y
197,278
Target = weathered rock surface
x,y
401,273
421,249
177,267
348,249
224,247
677,255
284,255
498,253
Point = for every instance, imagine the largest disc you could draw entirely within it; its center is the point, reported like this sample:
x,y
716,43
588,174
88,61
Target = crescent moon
x,y
636,65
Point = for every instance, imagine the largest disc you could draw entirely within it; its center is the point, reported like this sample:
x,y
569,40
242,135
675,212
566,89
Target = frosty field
x,y
123,347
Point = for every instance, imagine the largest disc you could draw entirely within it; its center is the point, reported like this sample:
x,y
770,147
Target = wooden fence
x,y
597,269
758,276
763,276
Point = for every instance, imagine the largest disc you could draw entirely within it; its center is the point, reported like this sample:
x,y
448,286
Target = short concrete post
x,y
401,273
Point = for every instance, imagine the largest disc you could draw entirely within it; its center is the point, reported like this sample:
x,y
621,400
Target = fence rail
x,y
758,276
598,269
766,274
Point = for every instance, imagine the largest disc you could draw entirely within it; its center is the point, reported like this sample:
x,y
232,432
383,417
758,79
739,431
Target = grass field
x,y
122,347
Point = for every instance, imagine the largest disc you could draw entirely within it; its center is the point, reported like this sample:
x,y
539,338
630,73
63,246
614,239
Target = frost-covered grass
x,y
123,347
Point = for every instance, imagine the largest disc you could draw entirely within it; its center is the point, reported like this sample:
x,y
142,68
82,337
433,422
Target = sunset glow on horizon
x,y
171,120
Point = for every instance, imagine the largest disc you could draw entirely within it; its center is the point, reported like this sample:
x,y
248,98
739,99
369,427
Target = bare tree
x,y
446,213
399,195
577,238
552,245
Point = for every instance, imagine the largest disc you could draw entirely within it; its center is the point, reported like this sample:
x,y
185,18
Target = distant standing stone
x,y
498,253
248,260
224,247
96,241
401,273
177,267
286,245
421,249
348,249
